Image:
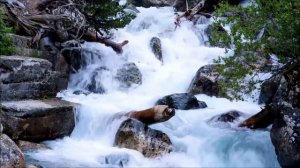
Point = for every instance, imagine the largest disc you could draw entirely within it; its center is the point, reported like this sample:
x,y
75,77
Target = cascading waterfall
x,y
196,143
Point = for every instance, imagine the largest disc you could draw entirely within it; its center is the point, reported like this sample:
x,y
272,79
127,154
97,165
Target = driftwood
x,y
262,119
190,13
60,17
156,114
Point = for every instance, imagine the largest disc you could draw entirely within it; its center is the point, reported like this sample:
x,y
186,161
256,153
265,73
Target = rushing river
x,y
196,143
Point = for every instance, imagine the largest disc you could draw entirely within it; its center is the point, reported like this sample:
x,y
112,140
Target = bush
x,y
6,45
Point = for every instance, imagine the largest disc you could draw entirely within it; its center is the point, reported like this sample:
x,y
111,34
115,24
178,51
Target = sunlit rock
x,y
182,101
135,135
128,75
10,155
27,146
262,119
155,44
37,120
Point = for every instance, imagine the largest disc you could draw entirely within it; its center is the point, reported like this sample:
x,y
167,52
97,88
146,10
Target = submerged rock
x,y
206,81
155,44
96,85
128,75
230,116
182,101
37,120
135,135
10,155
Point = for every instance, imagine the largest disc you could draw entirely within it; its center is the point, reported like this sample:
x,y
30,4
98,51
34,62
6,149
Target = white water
x,y
196,143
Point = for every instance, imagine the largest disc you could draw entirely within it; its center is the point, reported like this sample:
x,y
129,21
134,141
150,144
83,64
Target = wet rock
x,y
211,31
155,45
182,101
206,81
10,155
129,75
16,69
84,92
230,116
135,135
285,132
37,120
260,120
268,89
95,85
31,146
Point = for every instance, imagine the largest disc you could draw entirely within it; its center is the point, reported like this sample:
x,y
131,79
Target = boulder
x,y
181,101
135,135
16,69
128,75
206,81
46,88
31,146
155,45
230,116
37,120
285,132
10,155
268,89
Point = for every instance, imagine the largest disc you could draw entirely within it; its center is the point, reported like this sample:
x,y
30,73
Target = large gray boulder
x,y
133,134
28,78
37,120
10,155
285,132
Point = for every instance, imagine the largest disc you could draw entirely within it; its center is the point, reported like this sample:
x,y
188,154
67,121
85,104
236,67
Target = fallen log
x,y
262,119
95,37
156,114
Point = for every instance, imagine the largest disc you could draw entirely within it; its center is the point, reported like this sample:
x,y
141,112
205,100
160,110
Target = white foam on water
x,y
196,143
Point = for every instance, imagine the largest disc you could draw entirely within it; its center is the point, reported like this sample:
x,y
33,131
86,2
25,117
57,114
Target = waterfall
x,y
196,143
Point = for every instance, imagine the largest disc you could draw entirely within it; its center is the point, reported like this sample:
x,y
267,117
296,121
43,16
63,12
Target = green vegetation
x,y
265,28
6,45
103,15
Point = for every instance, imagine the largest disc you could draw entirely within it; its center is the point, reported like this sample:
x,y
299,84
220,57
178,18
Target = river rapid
x,y
196,142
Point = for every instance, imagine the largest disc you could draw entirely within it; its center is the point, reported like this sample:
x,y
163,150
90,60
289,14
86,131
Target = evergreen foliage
x,y
6,45
103,15
258,31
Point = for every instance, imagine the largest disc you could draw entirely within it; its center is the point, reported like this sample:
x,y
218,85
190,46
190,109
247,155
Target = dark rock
x,y
260,120
206,81
285,132
31,146
128,75
78,92
95,85
10,155
133,134
268,89
155,45
23,69
37,120
230,116
182,101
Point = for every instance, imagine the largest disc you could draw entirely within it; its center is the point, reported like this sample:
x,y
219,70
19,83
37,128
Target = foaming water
x,y
196,142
